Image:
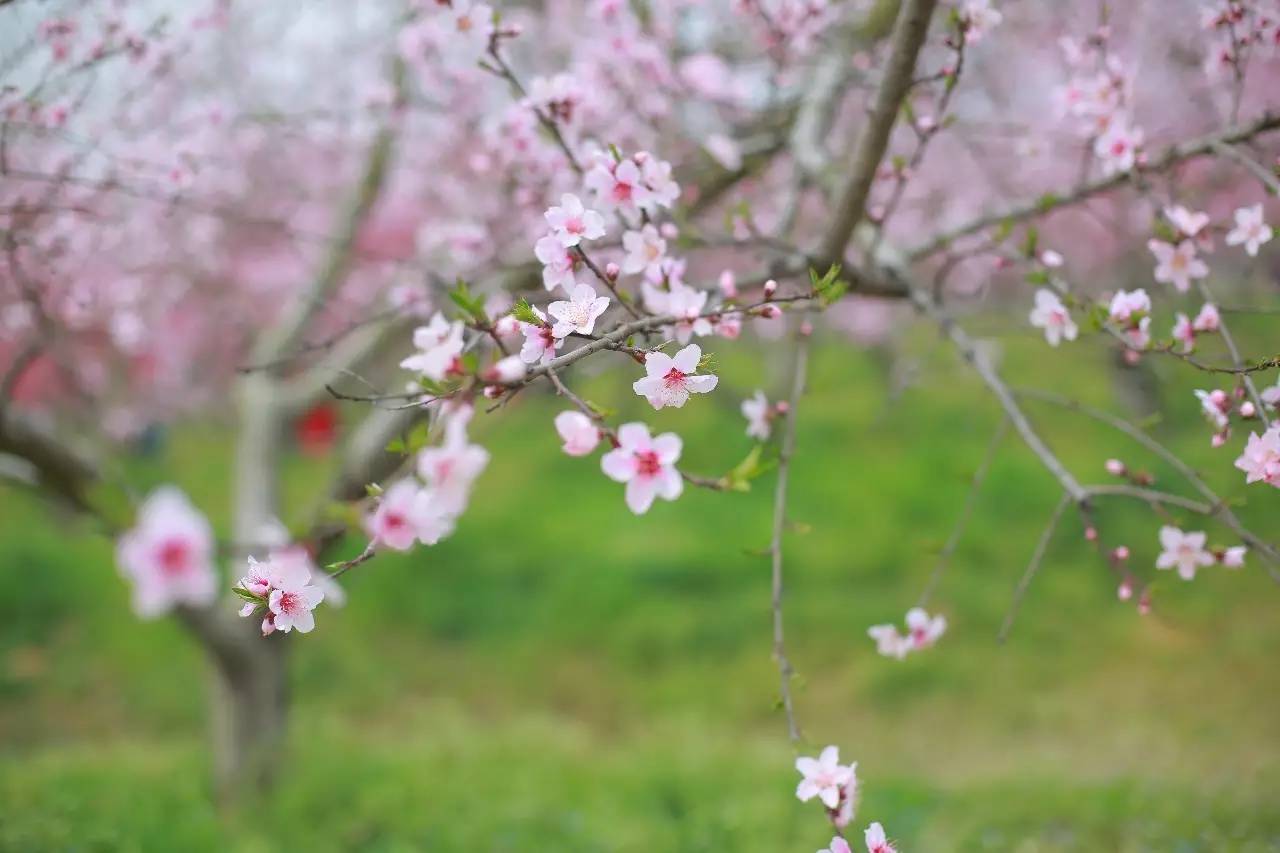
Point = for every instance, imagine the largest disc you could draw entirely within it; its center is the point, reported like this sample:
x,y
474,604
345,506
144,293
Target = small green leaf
x,y
523,312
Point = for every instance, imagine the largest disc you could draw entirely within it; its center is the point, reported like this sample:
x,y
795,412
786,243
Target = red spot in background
x,y
317,429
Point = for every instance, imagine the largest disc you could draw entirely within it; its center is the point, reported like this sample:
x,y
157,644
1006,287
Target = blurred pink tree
x,y
245,213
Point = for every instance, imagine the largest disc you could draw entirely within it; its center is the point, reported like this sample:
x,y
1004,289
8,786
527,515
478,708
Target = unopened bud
x,y
493,392
611,270
669,230
1144,602
1091,534
770,288
1121,552
782,407
806,329
770,312
1115,468
1247,409
1125,591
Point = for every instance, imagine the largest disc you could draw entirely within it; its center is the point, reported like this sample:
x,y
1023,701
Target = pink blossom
x,y
1183,332
1233,558
406,513
618,186
168,555
824,777
571,223
1251,230
579,314
1052,316
285,582
505,370
889,642
647,465
1126,304
539,342
439,345
838,845
687,304
1216,405
979,18
1116,468
1260,461
1184,551
923,629
1051,259
756,410
728,284
558,263
1207,320
671,380
645,251
470,27
451,470
1177,265
876,840
1117,148
1189,223
579,433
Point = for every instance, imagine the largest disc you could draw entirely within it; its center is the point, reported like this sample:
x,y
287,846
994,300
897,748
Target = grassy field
x,y
561,676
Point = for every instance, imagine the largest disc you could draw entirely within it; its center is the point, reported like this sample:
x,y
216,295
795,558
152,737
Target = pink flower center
x,y
173,556
291,603
394,520
1119,147
647,464
621,192
674,378
574,225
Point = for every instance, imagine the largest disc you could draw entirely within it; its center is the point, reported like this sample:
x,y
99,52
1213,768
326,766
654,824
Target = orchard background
x,y
973,311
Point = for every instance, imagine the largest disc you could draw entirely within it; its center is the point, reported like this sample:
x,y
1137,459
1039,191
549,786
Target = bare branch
x,y
908,37
1033,566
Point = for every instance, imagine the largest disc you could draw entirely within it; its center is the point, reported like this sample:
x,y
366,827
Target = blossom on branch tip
x,y
645,251
646,465
1051,315
1189,223
571,223
579,433
1183,551
757,411
168,555
558,263
1251,230
1260,460
824,777
578,314
876,840
285,584
1177,265
539,342
1208,319
439,346
671,380
406,514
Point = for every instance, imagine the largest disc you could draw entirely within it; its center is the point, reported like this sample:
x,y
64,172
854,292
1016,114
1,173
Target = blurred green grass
x,y
562,676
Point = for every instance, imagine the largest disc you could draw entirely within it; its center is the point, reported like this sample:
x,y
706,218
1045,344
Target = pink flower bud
x,y
1132,357
1091,534
611,270
492,392
1219,439
782,407
770,288
1125,591
728,284
669,230
806,329
1121,552
770,312
1144,602
1116,468
1247,410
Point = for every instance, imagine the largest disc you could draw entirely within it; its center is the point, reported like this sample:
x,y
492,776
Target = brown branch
x,y
905,43
1033,566
1173,156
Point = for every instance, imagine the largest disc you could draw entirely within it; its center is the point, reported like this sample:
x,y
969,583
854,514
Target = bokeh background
x,y
562,676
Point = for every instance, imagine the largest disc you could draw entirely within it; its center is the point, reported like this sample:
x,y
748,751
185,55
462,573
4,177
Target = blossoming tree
x,y
489,196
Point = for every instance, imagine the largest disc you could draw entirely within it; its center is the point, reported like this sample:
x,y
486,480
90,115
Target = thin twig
x,y
785,670
1037,558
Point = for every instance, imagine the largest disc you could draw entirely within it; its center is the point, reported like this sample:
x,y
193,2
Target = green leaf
x,y
248,596
472,306
523,312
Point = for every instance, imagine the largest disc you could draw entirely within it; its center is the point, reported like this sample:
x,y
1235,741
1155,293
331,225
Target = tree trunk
x,y
249,701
